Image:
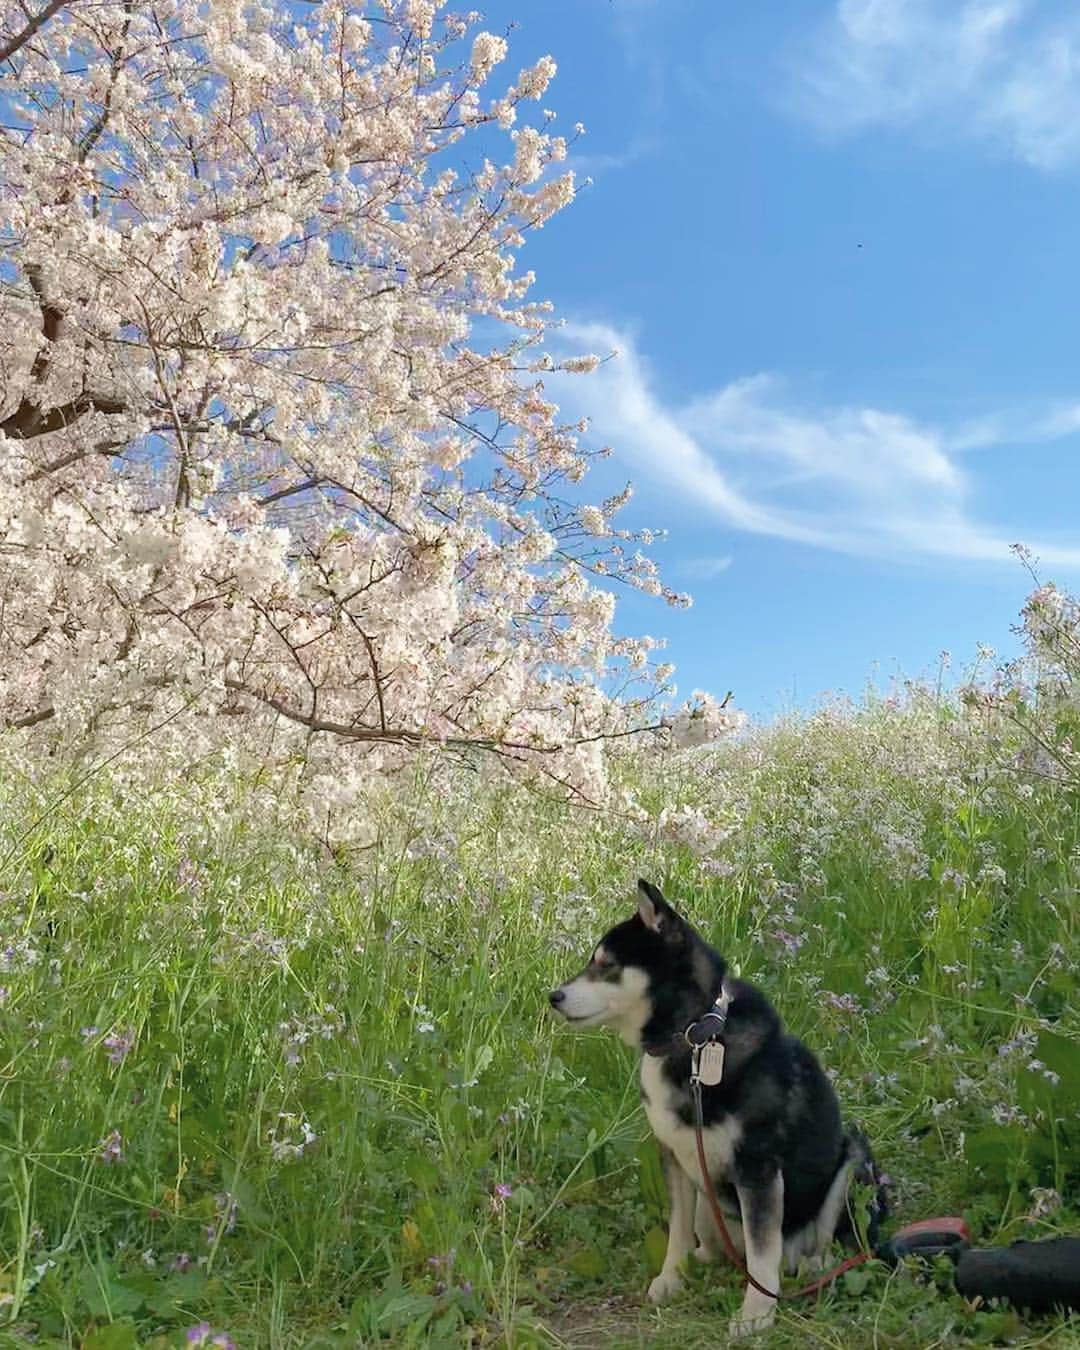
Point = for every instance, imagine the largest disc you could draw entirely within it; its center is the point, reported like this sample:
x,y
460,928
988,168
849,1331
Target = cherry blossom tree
x,y
275,451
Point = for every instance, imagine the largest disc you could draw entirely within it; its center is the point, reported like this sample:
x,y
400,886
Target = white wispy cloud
x,y
704,569
588,163
1003,72
852,479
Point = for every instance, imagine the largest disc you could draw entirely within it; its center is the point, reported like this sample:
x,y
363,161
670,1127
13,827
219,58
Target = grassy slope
x,y
910,908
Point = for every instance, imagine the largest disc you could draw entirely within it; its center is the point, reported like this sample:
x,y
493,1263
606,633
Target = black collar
x,y
709,1027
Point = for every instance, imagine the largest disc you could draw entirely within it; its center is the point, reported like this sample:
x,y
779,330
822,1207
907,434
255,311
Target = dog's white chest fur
x,y
720,1139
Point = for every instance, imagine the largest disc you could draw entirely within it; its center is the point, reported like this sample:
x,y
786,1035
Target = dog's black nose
x,y
556,997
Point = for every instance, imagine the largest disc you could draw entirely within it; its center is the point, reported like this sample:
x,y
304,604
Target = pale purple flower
x,y
227,1207
1045,1201
112,1148
842,1002
187,876
202,1333
118,1044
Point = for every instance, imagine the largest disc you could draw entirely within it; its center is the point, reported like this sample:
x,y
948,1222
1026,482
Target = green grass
x,y
907,900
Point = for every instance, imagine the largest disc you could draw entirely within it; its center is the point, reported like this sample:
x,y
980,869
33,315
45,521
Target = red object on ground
x,y
928,1237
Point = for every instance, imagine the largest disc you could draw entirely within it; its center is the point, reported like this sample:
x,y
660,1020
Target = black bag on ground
x,y
1034,1275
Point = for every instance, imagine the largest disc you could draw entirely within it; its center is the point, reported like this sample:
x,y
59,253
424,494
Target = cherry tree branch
x,y
37,21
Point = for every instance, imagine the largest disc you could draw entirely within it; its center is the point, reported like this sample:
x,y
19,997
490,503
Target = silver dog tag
x,y
711,1063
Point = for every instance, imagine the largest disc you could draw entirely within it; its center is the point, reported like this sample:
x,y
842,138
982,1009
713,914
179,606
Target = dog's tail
x,y
865,1173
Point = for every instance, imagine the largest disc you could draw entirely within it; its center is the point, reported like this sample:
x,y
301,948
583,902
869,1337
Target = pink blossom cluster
x,y
276,457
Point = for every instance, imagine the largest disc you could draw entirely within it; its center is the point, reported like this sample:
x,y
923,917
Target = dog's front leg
x,y
762,1205
680,1241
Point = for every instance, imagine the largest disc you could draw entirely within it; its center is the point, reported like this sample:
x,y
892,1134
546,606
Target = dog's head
x,y
643,975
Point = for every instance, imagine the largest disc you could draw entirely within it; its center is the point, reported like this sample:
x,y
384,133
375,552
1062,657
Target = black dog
x,y
777,1152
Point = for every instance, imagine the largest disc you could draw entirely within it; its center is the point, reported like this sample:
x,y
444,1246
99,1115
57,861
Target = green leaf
x,y
655,1249
653,1187
117,1336
105,1295
588,1262
422,1171
177,1293
856,1281
405,1310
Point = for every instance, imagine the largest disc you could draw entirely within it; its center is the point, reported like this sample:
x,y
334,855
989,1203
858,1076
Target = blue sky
x,y
836,245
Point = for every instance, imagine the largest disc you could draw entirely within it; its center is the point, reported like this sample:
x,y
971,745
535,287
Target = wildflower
x,y
187,876
1023,1043
226,1207
1007,1115
842,1002
500,1193
112,1148
202,1333
298,1031
283,1147
1045,1200
791,942
88,1033
118,1044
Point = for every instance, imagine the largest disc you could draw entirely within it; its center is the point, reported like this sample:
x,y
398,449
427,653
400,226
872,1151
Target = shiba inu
x,y
779,1157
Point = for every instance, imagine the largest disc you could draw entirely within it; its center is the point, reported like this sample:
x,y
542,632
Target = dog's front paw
x,y
666,1285
751,1320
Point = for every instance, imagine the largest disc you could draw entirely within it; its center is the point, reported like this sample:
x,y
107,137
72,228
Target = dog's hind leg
x,y
710,1243
762,1205
680,1231
803,1249
828,1216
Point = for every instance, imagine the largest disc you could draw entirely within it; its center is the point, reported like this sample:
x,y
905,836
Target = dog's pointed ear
x,y
653,910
